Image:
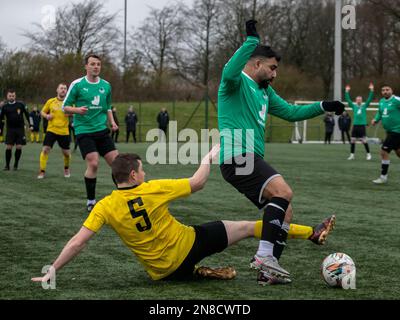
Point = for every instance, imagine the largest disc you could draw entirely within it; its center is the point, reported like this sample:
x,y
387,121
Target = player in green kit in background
x,y
244,100
389,114
360,120
89,100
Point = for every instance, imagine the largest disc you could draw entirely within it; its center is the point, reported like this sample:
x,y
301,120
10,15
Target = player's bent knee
x,y
285,192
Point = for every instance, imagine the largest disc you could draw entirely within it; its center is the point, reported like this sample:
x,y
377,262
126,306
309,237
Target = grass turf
x,y
38,217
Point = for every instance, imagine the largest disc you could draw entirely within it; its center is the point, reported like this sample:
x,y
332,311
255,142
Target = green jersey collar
x,y
97,82
249,77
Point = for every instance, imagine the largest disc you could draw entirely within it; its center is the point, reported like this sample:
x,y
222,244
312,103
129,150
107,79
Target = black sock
x,y
17,154
353,148
280,243
90,188
366,147
8,157
274,214
385,168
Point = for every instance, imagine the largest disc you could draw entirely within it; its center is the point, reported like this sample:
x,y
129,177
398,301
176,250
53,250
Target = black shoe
x,y
15,168
6,168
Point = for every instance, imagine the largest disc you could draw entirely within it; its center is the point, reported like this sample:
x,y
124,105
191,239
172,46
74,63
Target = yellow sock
x,y
296,231
67,161
37,138
32,137
43,161
1,138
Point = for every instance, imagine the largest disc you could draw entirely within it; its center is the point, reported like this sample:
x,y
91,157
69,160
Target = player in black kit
x,y
14,112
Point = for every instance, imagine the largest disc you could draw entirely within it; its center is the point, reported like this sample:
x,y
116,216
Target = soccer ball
x,y
339,270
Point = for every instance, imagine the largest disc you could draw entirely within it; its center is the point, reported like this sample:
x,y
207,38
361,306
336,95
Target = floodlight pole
x,y
125,22
337,87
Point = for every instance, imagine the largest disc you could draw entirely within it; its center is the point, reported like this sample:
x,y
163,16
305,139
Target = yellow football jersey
x,y
59,123
140,216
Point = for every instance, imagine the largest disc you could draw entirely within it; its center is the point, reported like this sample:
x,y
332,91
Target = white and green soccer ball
x,y
339,270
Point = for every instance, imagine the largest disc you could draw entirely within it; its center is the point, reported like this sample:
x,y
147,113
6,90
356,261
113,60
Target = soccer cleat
x,y
15,168
67,173
369,157
269,265
380,180
6,168
322,230
351,157
41,175
224,273
90,206
265,279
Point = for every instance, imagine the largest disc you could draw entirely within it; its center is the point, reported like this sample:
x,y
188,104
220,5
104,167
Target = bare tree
x,y
155,39
320,44
79,28
192,57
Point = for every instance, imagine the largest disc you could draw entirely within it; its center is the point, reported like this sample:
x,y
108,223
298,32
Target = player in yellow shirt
x,y
57,130
138,213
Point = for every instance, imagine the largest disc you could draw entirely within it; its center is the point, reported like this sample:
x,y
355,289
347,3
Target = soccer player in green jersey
x,y
89,100
244,100
389,114
360,120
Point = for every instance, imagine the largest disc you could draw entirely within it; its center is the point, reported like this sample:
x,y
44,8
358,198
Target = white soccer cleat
x,y
351,157
41,175
380,180
369,157
67,173
265,279
269,265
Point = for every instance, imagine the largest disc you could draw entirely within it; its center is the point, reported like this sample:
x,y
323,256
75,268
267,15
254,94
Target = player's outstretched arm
x,y
290,112
71,250
199,179
370,95
234,67
347,97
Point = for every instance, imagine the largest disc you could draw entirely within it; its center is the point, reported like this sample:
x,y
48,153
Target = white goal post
x,y
300,129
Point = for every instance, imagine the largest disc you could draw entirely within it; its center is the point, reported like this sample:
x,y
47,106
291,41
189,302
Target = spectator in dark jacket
x,y
1,124
344,125
163,120
131,119
115,134
329,125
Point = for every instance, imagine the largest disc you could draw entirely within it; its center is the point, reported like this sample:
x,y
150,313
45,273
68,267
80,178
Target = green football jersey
x,y
96,97
389,113
243,107
360,111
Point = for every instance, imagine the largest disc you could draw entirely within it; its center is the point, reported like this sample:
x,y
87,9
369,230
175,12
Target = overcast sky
x,y
17,15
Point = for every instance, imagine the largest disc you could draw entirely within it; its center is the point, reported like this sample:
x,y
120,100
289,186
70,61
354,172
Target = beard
x,y
263,84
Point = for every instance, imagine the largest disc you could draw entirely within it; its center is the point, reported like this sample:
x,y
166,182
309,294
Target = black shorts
x,y
358,131
392,142
100,142
62,140
16,136
251,185
210,238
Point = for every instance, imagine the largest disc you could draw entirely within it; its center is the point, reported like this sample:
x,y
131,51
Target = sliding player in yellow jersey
x,y
57,130
138,213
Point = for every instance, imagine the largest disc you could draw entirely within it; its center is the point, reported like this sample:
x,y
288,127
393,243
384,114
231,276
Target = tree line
x,y
178,52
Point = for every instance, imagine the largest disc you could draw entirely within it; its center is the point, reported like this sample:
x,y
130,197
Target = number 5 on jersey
x,y
139,213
